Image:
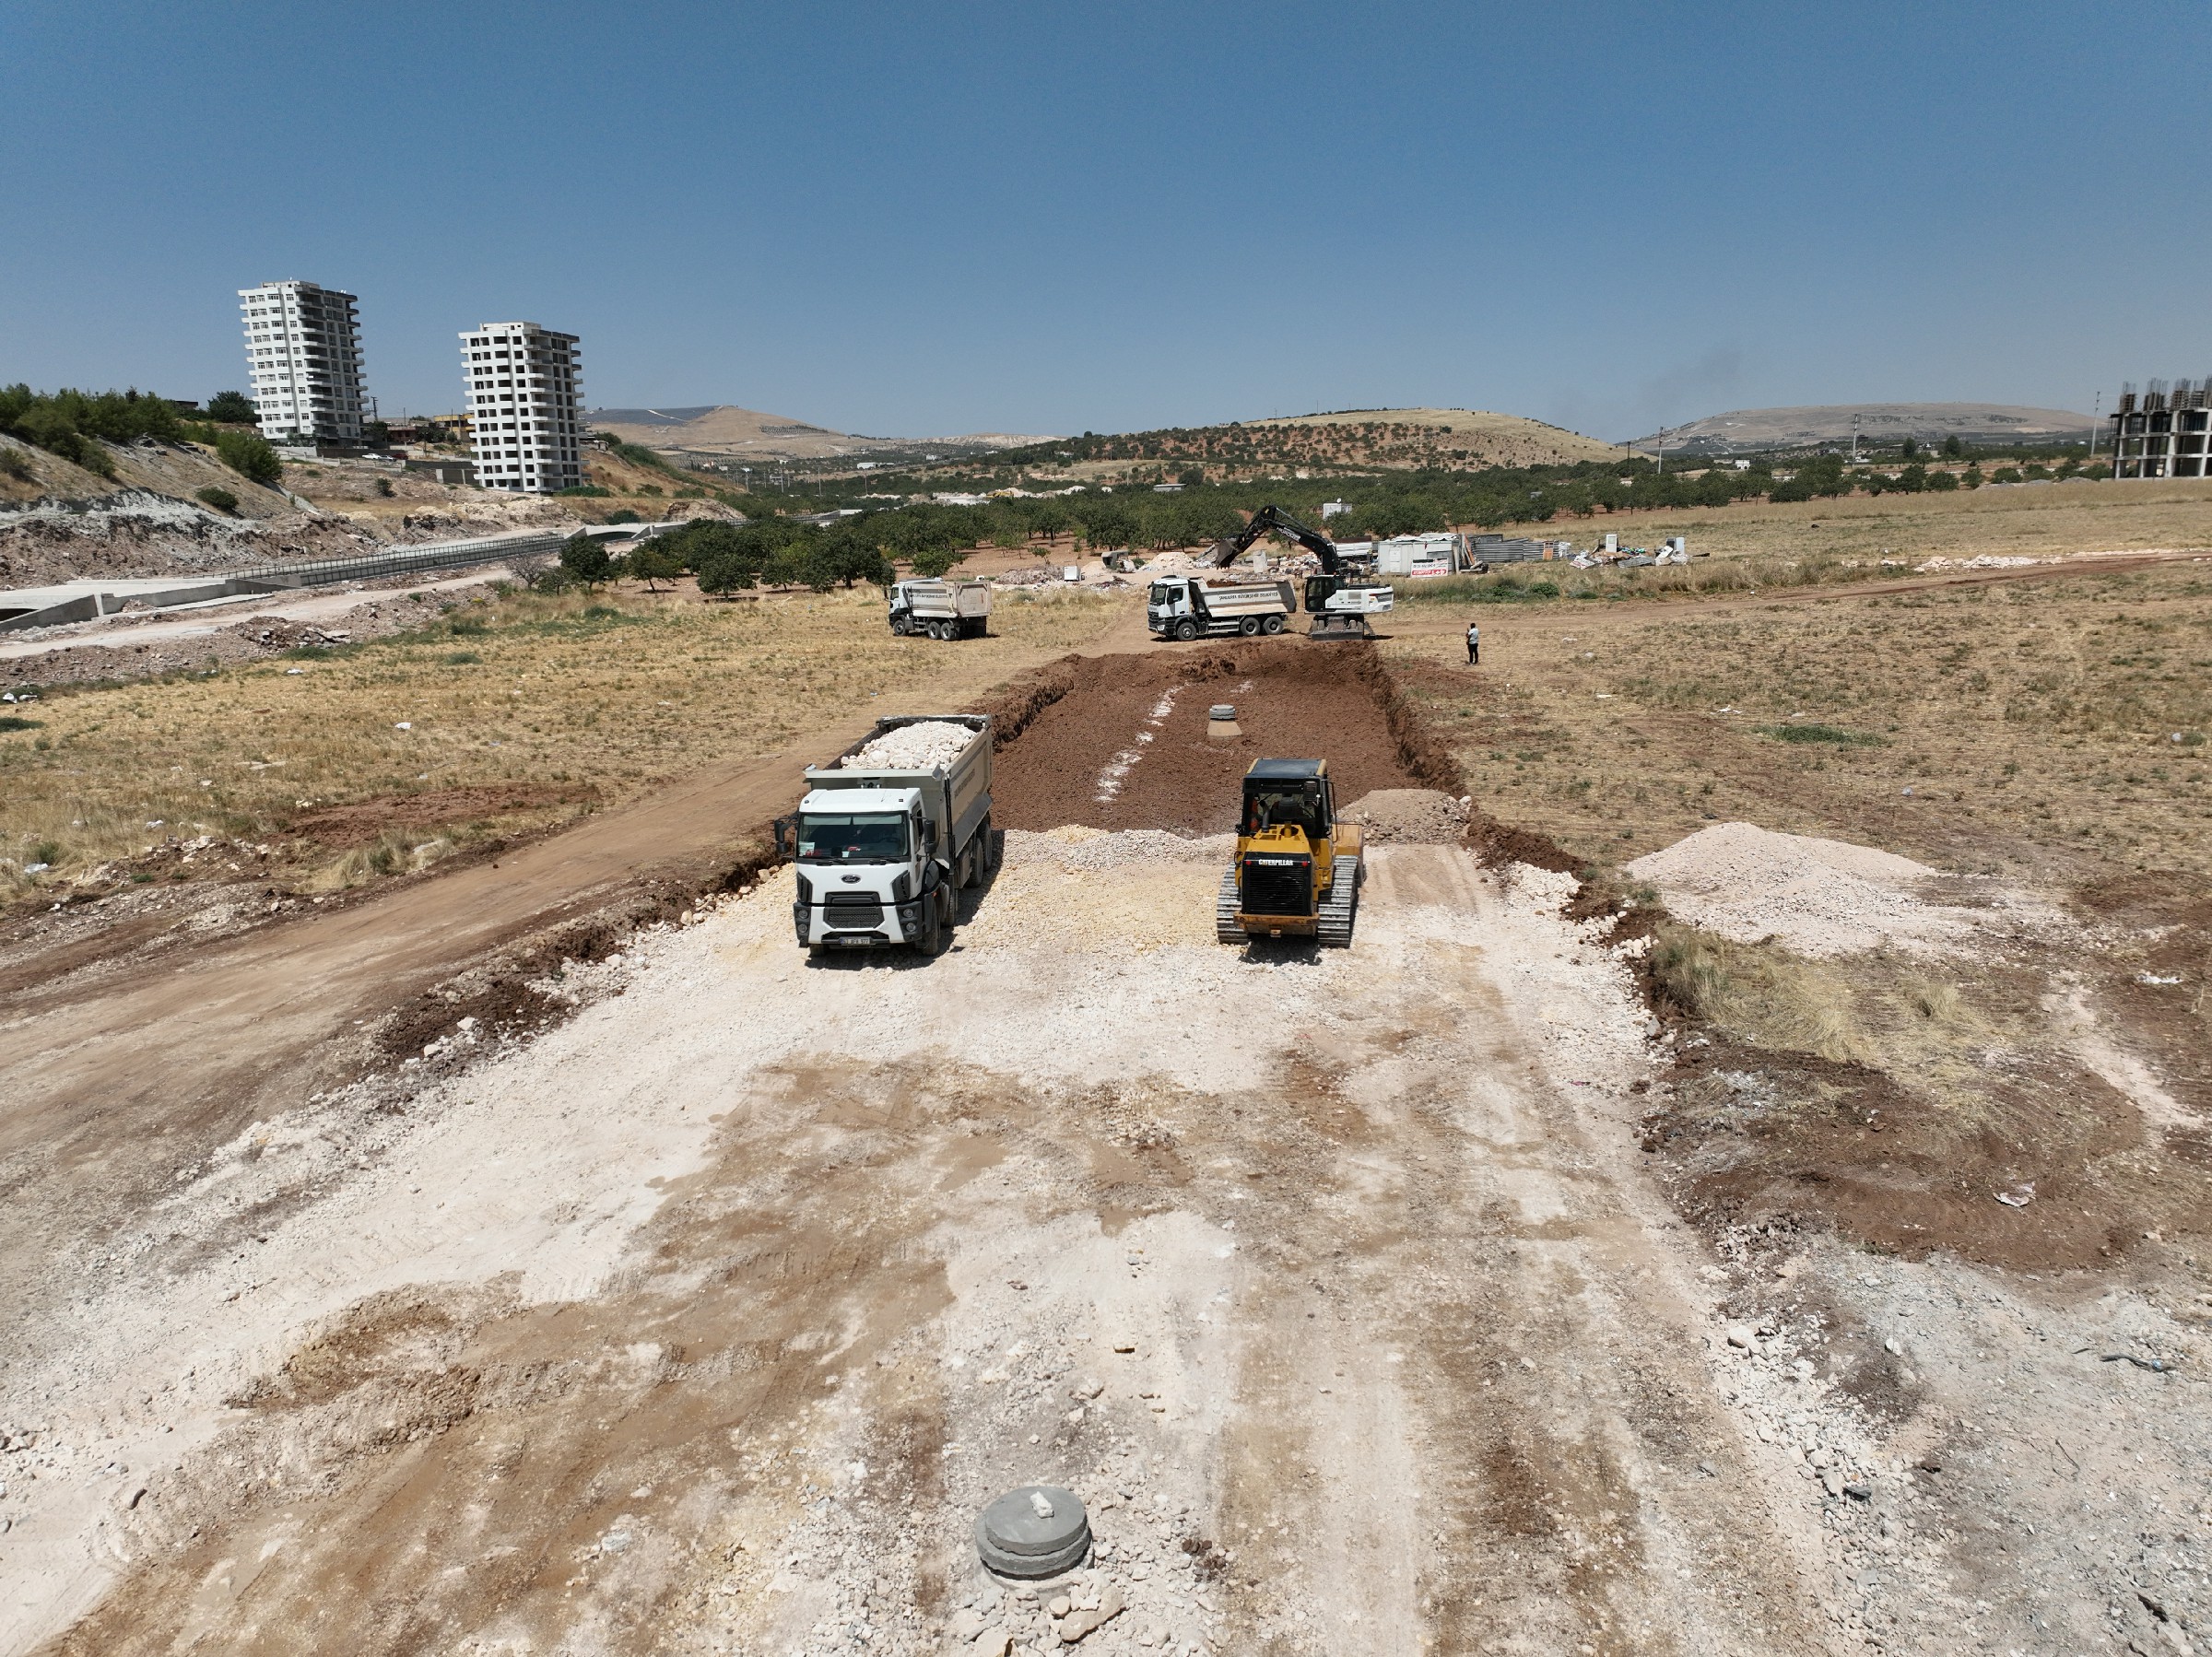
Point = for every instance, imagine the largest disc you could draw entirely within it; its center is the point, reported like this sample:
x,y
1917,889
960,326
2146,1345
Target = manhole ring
x,y
1034,1531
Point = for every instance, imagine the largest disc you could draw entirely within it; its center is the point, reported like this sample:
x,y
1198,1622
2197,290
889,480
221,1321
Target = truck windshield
x,y
1162,596
864,836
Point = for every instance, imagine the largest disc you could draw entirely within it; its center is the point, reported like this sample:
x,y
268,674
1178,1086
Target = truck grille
x,y
855,912
1278,886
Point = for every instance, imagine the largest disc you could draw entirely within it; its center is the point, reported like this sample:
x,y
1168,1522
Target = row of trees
x,y
75,425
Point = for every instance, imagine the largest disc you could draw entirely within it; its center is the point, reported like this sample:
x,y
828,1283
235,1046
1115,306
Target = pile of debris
x,y
1816,897
1410,817
278,632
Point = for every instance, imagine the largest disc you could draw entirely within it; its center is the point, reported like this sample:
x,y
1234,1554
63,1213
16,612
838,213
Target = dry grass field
x,y
503,716
2018,726
2045,736
2028,521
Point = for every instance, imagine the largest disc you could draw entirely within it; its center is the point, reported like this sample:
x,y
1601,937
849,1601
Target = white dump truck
x,y
943,609
1191,606
890,830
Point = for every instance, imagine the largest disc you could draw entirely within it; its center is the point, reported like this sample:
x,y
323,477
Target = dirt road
x,y
706,1322
127,1057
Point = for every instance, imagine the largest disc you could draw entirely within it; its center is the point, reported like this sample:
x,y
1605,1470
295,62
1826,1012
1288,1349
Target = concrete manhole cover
x,y
1036,1531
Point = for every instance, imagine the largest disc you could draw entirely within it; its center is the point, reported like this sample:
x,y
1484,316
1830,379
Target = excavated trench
x,y
1120,742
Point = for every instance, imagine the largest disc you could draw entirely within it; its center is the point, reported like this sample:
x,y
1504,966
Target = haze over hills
x,y
724,432
1746,430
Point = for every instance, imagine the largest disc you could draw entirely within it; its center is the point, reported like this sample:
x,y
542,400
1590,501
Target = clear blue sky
x,y
921,219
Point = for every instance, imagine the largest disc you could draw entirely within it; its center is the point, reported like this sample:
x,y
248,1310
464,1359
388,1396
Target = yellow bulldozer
x,y
1297,870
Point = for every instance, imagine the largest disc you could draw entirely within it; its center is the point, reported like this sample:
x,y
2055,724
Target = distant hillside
x,y
1345,439
726,433
1746,430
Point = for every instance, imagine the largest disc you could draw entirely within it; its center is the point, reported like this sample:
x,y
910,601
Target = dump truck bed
x,y
957,795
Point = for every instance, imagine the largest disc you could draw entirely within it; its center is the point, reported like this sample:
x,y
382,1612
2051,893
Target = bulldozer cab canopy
x,y
1288,793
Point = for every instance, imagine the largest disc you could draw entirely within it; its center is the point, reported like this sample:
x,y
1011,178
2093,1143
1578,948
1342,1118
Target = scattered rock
x,y
1741,1336
1079,1625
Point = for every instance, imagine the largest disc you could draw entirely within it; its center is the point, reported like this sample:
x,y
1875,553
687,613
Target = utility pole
x,y
1854,439
1663,452
2096,420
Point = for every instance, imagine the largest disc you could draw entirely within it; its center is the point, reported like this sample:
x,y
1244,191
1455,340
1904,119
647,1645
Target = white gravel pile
x,y
1077,847
923,746
1816,897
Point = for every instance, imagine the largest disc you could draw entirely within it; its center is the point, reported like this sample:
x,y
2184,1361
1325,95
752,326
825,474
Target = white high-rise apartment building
x,y
303,352
525,407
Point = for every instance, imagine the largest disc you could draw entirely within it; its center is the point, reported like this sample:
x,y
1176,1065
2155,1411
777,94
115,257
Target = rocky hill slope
x,y
1746,430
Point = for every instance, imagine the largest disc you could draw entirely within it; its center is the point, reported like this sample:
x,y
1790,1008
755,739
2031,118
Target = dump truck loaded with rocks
x,y
890,830
943,609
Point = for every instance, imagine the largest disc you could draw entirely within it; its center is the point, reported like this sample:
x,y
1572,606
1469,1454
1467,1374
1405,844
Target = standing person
x,y
1473,645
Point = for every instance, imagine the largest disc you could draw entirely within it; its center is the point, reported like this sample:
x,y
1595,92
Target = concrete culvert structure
x,y
1036,1531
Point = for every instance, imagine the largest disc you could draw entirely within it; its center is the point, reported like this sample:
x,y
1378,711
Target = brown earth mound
x,y
1408,817
1125,745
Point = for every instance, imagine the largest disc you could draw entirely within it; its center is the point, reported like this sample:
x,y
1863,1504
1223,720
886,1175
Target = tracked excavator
x,y
1340,598
1297,870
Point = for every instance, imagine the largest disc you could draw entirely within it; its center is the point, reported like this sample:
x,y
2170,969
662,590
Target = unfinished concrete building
x,y
304,359
2161,431
525,407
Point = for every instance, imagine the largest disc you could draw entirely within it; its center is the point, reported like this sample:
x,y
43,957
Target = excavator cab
x,y
1297,870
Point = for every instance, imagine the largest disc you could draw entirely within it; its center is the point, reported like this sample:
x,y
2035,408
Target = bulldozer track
x,y
1340,909
1225,912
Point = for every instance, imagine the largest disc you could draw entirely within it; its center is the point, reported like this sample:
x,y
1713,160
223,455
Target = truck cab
x,y
866,870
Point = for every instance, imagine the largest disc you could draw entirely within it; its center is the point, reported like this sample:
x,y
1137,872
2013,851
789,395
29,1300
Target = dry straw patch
x,y
2027,727
2033,520
514,713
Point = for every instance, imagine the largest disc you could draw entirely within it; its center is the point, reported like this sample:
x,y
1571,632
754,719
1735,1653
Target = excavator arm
x,y
1229,549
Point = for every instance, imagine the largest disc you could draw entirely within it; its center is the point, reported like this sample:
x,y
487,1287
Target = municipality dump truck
x,y
942,609
890,830
1191,606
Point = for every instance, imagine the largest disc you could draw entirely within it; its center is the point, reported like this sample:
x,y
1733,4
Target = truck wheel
x,y
992,850
901,625
1186,630
932,941
1274,624
1249,626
